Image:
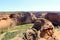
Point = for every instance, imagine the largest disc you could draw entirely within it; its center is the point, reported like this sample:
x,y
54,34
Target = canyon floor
x,y
16,33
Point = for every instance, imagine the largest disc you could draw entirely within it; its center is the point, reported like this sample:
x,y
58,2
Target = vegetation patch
x,y
10,35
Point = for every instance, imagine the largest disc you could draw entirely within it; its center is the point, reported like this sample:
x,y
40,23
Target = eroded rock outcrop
x,y
42,29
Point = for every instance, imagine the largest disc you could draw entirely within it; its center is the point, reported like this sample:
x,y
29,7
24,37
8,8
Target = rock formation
x,y
42,28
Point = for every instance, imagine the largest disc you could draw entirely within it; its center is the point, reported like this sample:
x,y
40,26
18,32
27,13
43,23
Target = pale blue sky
x,y
29,5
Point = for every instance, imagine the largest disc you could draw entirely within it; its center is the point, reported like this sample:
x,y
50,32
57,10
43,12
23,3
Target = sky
x,y
29,5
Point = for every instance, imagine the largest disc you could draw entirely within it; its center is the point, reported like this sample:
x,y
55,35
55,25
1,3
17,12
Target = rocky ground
x,y
16,33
